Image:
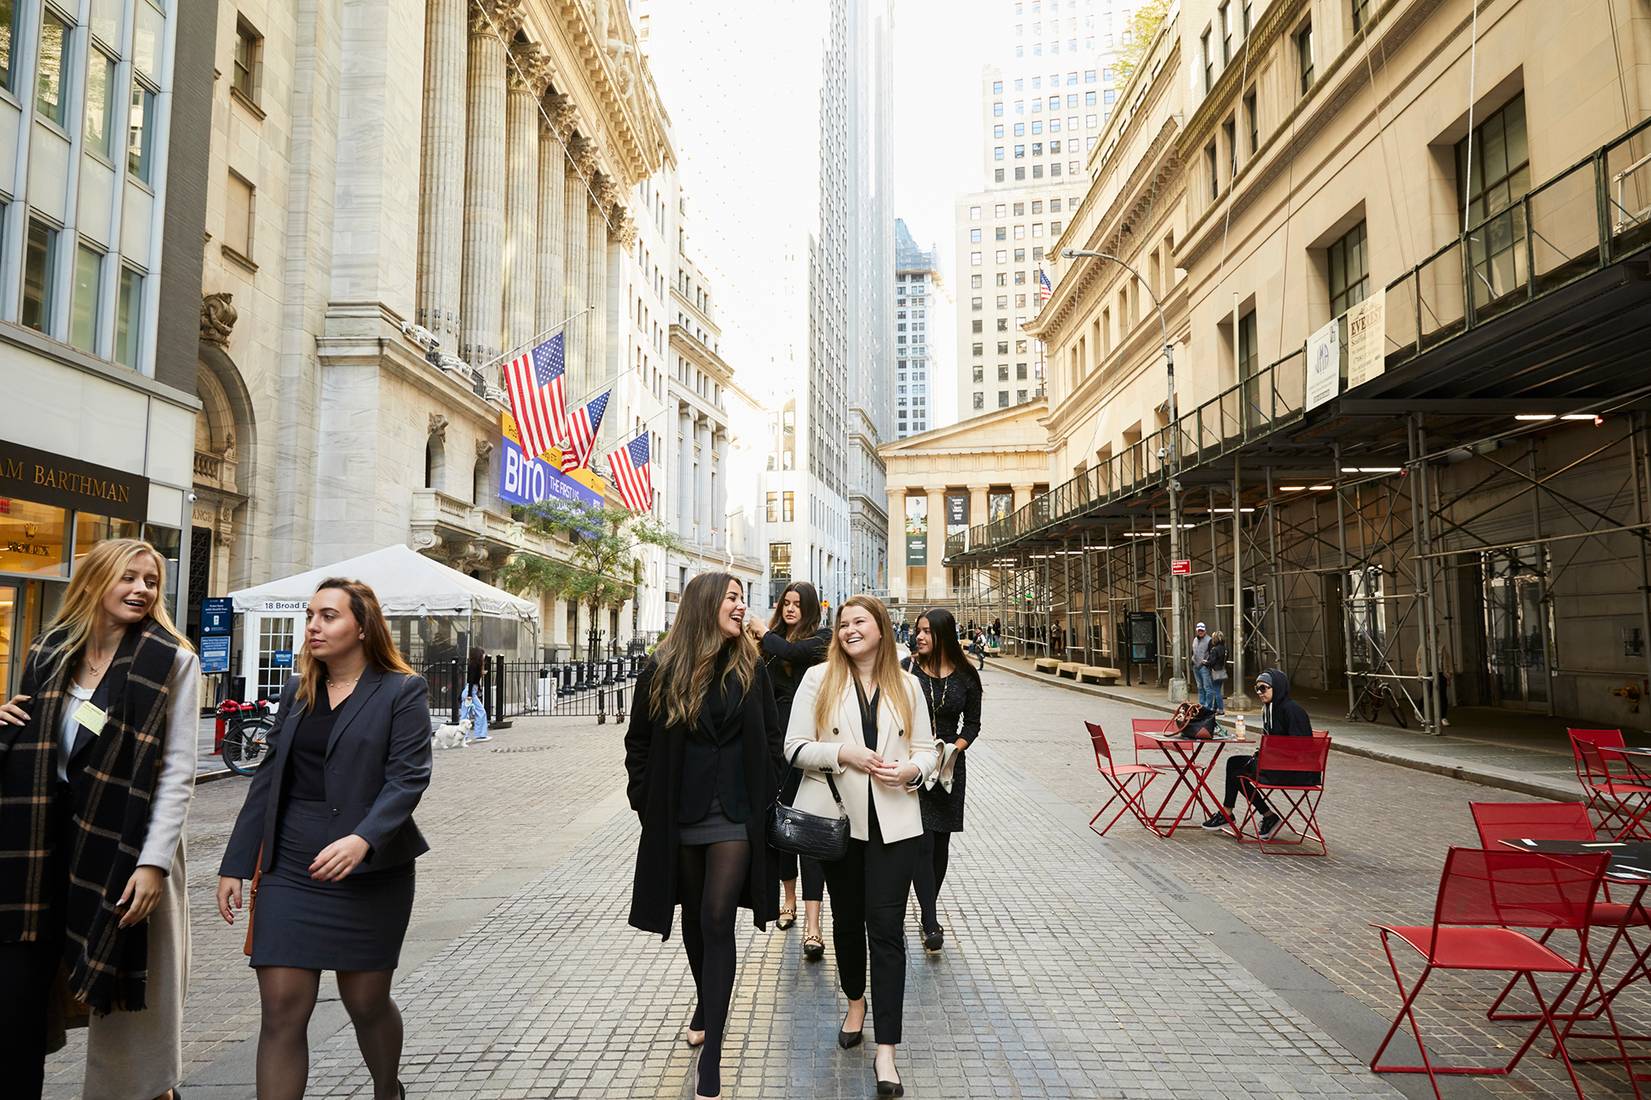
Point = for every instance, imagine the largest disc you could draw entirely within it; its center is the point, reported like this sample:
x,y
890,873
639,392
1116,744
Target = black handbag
x,y
804,834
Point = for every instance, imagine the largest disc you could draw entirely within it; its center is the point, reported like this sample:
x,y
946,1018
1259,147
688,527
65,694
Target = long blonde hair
x,y
687,658
95,574
380,648
888,675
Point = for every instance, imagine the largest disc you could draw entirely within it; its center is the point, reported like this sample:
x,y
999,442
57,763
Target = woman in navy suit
x,y
329,822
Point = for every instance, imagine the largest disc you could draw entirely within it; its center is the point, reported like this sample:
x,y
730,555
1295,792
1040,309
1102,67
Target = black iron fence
x,y
599,688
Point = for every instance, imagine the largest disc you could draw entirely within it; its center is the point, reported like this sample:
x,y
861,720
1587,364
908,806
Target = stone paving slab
x,y
1065,977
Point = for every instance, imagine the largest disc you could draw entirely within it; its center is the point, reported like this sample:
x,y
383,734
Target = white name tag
x,y
89,715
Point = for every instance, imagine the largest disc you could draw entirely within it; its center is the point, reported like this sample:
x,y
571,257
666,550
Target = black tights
x,y
287,995
712,877
930,875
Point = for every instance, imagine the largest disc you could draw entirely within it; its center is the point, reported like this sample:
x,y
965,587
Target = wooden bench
x,y
1046,664
1099,674
1069,669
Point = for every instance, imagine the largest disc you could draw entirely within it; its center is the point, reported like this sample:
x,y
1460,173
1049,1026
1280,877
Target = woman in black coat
x,y
702,759
951,690
792,643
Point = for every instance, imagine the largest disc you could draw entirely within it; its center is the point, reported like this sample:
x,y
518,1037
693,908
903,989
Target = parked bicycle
x,y
1376,695
246,734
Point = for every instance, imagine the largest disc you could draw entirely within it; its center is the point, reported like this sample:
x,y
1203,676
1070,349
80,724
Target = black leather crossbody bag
x,y
804,834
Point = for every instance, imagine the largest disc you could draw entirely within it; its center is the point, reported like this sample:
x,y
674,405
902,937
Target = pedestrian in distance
x,y
473,704
862,719
1281,716
977,646
1215,659
793,642
97,767
702,761
1201,663
327,836
952,692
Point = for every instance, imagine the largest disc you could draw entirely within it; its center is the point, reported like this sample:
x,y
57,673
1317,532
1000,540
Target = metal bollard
x,y
619,705
601,708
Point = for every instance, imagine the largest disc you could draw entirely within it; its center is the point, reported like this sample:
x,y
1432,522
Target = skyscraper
x,y
922,333
1044,102
804,302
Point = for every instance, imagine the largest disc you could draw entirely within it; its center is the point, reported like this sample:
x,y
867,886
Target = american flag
x,y
628,470
1044,289
537,383
583,425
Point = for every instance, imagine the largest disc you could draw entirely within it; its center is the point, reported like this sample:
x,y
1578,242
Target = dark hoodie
x,y
1285,717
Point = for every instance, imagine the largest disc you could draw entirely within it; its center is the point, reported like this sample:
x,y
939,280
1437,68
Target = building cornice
x,y
701,354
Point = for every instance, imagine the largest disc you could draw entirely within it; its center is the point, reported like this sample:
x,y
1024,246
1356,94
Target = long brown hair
x,y
376,642
96,573
808,604
839,669
692,649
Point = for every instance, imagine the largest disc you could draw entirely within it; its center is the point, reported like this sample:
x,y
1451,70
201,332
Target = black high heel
x,y
890,1088
850,1039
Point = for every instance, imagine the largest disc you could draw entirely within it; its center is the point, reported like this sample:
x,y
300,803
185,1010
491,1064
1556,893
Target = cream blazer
x,y
898,815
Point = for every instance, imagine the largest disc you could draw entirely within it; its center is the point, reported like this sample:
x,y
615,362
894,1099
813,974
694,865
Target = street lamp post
x,y
1178,676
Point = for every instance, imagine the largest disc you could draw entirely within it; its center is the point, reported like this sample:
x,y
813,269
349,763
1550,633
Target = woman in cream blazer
x,y
861,719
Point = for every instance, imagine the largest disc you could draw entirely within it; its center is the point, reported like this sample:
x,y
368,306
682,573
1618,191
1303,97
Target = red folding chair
x,y
1481,894
1139,728
1295,803
1502,821
1613,789
1128,782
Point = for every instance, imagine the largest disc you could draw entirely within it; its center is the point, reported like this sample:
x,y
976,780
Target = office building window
x,y
51,82
788,507
1497,179
238,216
1225,21
1349,270
8,41
1212,165
773,507
979,401
1208,57
1361,14
83,306
39,276
1304,55
249,52
779,559
1003,399
979,375
140,154
1252,121
129,318
1003,372
100,102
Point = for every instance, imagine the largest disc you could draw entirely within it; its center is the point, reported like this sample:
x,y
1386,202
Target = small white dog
x,y
451,736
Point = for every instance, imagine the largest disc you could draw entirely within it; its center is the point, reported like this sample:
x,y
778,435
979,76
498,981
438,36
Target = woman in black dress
x,y
951,690
327,835
702,759
792,643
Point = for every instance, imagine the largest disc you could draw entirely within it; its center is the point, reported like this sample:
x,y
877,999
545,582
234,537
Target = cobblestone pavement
x,y
1075,966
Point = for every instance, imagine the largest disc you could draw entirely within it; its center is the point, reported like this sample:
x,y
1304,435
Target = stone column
x,y
491,25
719,485
576,261
555,124
977,504
935,573
441,189
685,472
897,545
603,193
702,488
525,80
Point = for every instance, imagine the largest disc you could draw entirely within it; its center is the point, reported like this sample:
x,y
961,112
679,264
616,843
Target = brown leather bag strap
x,y
252,900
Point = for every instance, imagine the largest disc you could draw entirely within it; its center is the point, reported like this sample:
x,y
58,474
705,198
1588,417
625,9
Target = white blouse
x,y
176,785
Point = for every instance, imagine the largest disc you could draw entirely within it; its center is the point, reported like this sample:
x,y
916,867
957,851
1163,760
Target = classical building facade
x,y
101,107
401,197
1043,103
1405,443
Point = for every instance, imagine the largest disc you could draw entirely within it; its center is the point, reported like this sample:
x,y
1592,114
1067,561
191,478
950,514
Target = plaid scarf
x,y
107,964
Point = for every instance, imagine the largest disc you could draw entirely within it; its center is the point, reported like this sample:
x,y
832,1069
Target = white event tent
x,y
435,612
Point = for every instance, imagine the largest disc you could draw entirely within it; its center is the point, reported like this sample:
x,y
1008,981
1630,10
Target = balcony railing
x,y
1595,212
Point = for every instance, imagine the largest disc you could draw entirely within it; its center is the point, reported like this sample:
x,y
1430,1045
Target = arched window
x,y
478,482
434,456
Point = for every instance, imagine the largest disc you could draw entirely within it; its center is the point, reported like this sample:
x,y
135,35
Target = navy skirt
x,y
356,924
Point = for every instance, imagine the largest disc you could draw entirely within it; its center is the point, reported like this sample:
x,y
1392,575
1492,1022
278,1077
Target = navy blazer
x,y
377,767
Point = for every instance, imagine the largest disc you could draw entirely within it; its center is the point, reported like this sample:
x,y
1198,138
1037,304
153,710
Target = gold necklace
x,y
342,683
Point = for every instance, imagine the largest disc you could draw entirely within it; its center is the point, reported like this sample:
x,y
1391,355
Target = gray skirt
x,y
356,924
715,827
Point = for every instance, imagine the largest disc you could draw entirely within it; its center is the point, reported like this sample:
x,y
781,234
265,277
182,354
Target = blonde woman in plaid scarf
x,y
97,766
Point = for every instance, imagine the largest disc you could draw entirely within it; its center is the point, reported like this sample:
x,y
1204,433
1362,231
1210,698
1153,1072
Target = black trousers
x,y
929,876
1240,770
869,888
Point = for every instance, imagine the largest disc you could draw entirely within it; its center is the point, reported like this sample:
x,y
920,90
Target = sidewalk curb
x,y
213,777
1499,778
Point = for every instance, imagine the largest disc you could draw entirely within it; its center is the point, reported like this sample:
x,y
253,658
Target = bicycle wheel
x,y
1370,703
246,747
1398,711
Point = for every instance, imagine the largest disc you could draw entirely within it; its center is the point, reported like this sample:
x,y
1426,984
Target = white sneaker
x,y
1444,721
483,737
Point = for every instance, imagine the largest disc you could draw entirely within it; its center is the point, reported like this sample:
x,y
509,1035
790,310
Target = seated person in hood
x,y
1281,716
